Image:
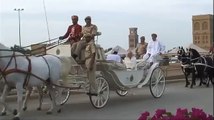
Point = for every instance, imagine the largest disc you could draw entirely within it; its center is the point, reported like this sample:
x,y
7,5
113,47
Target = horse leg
x,y
20,90
187,82
40,90
201,81
210,79
59,96
27,96
2,100
193,79
52,96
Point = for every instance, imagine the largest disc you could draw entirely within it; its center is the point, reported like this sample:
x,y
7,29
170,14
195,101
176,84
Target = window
x,y
203,37
204,26
196,26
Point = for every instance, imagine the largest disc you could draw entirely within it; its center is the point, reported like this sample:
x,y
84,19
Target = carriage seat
x,y
110,65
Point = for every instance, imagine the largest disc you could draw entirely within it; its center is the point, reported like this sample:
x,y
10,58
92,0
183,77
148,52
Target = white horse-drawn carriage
x,y
109,76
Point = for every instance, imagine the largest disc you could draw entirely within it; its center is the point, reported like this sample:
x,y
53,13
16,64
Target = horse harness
x,y
28,73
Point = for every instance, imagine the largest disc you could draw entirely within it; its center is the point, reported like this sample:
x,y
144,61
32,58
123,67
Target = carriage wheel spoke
x,y
102,85
159,79
103,96
96,100
157,91
101,100
104,88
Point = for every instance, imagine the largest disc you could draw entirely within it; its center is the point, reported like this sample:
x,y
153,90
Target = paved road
x,y
125,108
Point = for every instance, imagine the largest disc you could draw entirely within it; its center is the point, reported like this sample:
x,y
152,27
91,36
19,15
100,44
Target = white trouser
x,y
152,58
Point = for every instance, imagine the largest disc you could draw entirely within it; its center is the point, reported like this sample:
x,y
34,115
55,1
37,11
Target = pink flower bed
x,y
181,114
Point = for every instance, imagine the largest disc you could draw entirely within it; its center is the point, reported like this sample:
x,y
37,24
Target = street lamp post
x,y
19,10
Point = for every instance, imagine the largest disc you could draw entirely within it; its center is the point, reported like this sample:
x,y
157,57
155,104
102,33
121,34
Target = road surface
x,y
124,108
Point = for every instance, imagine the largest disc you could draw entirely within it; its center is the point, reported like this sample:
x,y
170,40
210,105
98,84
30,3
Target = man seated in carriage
x,y
154,49
130,61
73,33
114,56
89,28
141,49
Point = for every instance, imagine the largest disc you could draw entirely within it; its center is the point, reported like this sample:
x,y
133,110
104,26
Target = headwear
x,y
74,17
154,34
88,17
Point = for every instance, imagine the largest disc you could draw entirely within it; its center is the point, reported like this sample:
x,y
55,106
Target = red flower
x,y
144,116
160,112
181,114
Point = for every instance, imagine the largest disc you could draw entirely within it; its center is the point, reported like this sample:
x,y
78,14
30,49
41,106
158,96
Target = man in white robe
x,y
154,49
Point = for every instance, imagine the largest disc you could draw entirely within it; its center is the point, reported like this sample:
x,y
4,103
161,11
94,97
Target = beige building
x,y
202,30
133,38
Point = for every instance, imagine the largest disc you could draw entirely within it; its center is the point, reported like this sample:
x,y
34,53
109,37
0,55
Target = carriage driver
x,y
73,33
89,28
90,63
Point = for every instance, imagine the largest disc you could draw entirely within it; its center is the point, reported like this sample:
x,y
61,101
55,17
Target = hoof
x,y
3,113
49,113
24,108
15,112
16,118
59,111
38,109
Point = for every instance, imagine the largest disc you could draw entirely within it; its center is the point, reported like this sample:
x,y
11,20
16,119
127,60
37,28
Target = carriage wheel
x,y
65,94
122,93
157,82
101,99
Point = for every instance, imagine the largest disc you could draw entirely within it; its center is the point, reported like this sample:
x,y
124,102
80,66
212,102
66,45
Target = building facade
x,y
202,31
133,38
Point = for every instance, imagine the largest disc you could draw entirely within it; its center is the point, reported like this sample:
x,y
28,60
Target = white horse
x,y
19,71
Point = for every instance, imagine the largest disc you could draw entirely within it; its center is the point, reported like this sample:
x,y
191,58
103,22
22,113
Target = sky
x,y
171,20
